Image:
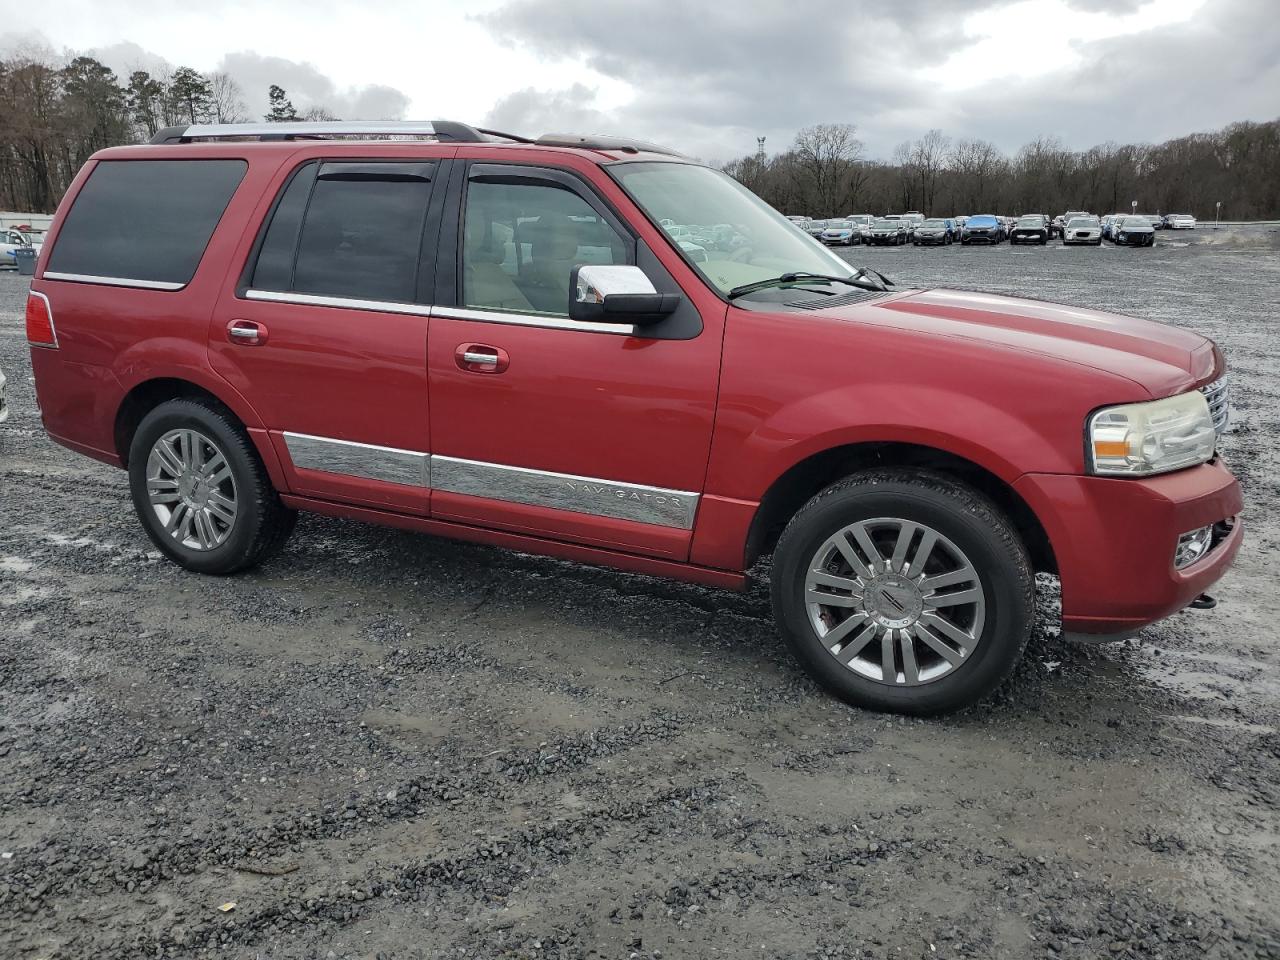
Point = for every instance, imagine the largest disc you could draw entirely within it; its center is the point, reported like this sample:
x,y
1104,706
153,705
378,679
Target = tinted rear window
x,y
145,219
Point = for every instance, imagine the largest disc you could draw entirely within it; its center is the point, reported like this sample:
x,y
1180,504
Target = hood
x,y
1162,359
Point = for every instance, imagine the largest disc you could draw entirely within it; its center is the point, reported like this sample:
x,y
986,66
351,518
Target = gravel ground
x,y
387,745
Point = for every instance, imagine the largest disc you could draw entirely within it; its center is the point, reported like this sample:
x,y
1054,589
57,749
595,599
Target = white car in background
x,y
1180,221
11,240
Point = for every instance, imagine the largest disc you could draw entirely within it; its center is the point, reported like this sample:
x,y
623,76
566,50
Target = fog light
x,y
1192,546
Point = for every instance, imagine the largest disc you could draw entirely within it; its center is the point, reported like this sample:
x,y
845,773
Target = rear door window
x,y
349,230
144,221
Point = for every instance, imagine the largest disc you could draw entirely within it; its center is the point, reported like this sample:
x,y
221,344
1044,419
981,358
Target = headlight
x,y
1140,439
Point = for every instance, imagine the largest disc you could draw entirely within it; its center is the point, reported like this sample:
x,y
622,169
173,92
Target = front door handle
x,y
481,358
247,333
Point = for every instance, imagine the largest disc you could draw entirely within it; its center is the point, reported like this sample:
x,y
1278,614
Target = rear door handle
x,y
247,333
481,358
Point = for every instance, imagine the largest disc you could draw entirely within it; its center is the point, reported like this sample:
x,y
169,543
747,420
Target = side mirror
x,y
607,293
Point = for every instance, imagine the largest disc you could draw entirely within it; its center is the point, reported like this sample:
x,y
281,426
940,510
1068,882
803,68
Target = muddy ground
x,y
387,745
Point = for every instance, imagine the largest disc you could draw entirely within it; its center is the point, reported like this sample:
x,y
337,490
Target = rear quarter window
x,y
145,220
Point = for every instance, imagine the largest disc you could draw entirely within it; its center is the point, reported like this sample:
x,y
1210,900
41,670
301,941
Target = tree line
x,y
824,173
53,117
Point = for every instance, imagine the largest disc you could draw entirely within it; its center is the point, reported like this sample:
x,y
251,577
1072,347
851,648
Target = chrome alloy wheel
x,y
191,489
895,601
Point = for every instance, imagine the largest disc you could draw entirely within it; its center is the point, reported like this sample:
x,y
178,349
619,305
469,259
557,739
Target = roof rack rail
x,y
589,142
320,130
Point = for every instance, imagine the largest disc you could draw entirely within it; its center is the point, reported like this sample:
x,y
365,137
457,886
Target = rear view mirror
x,y
608,293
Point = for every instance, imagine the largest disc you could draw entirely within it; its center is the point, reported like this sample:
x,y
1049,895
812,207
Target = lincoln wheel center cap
x,y
893,601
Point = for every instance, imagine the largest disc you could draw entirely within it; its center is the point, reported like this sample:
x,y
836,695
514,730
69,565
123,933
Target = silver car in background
x,y
841,232
1087,229
1180,221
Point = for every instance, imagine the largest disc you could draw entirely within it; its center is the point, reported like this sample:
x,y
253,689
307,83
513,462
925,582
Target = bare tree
x,y
928,157
318,113
228,99
828,155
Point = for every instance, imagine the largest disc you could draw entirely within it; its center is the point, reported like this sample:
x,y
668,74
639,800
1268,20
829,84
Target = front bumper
x,y
1114,540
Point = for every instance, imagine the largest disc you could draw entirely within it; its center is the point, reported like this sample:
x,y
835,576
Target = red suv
x,y
595,349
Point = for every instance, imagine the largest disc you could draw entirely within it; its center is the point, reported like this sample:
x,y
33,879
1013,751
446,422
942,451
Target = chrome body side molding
x,y
367,460
592,496
563,491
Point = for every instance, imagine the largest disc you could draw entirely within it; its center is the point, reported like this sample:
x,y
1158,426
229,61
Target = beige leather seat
x,y
552,255
484,282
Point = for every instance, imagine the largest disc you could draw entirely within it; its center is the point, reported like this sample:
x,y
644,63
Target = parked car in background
x,y
1180,221
959,220
934,231
1133,231
861,222
1108,222
840,233
815,227
886,230
694,251
11,240
1083,229
1032,229
1155,219
983,228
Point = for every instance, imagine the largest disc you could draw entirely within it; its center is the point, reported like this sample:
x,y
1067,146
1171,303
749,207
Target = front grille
x,y
1219,404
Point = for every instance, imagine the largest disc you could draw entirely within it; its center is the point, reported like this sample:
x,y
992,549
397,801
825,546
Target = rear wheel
x,y
201,491
904,591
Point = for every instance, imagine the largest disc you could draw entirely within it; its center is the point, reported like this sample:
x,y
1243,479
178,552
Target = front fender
x,y
1001,439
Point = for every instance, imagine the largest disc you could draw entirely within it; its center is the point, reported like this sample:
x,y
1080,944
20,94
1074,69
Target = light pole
x,y
1217,213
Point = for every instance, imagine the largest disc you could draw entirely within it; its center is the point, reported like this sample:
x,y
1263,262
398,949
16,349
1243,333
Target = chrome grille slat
x,y
1218,397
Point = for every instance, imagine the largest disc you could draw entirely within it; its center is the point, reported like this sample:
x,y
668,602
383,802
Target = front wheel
x,y
201,491
904,591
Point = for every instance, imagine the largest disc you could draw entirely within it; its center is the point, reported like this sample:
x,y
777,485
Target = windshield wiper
x,y
801,276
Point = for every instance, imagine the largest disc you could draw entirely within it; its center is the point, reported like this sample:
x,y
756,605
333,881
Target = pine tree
x,y
281,106
191,96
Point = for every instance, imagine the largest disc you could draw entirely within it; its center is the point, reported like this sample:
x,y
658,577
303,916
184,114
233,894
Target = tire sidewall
x,y
179,414
1003,575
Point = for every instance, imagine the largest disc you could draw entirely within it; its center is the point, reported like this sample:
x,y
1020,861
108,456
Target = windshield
x,y
1030,222
1083,222
764,244
934,223
837,224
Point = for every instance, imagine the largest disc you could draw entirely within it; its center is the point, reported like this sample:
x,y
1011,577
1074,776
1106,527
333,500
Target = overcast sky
x,y
708,78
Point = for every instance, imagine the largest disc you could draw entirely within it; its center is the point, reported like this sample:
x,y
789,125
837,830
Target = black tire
x,y
961,514
262,523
